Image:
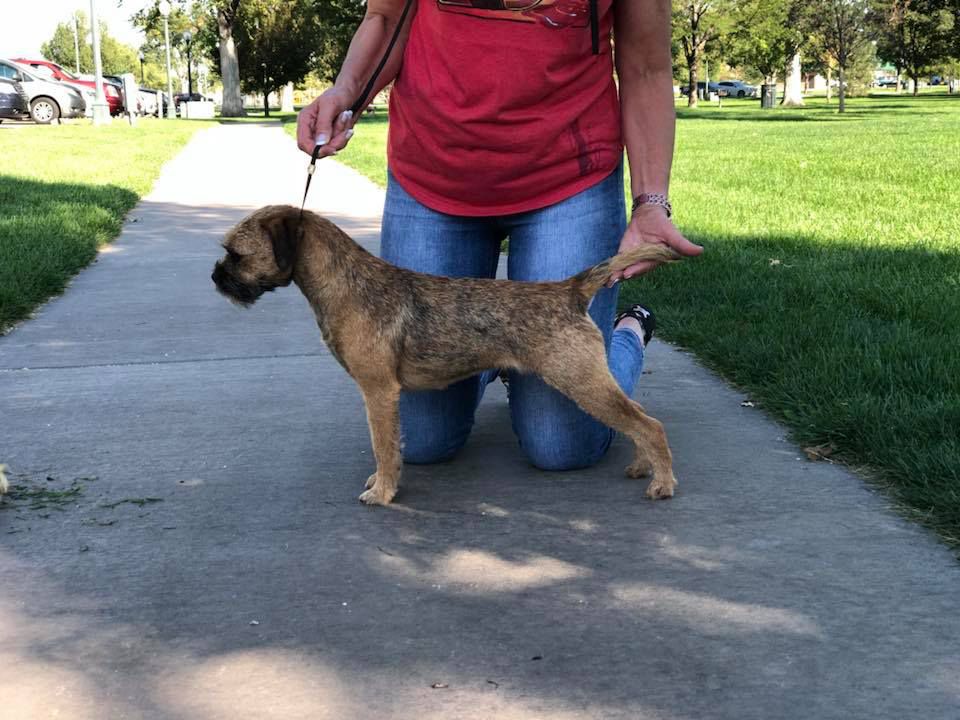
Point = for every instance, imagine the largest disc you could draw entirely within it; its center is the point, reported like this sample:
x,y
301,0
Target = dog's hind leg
x,y
383,416
579,370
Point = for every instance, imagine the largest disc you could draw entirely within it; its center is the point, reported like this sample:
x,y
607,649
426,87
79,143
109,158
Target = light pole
x,y
187,38
164,9
76,42
140,56
101,111
266,96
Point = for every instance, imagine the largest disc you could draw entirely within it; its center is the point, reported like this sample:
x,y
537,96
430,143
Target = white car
x,y
49,99
736,88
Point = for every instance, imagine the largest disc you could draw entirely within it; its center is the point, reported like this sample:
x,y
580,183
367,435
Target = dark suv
x,y
13,100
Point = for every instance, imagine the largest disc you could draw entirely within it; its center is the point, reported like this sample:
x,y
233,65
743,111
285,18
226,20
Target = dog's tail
x,y
592,279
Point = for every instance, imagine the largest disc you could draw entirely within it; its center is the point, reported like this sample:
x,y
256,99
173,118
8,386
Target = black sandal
x,y
643,316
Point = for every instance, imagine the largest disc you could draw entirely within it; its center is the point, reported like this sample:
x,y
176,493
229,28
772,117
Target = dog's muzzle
x,y
240,292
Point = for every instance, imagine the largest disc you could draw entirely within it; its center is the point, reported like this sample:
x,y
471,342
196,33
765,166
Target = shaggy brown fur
x,y
394,329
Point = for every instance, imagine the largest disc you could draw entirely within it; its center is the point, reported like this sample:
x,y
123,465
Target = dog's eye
x,y
233,255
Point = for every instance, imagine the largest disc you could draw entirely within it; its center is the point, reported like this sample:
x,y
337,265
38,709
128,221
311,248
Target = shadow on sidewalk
x,y
257,586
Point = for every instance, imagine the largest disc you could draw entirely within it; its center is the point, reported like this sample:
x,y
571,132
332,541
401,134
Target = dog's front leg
x,y
383,416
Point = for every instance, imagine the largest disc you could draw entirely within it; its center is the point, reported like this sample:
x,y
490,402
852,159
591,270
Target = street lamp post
x,y
101,111
164,8
188,38
266,95
76,42
140,56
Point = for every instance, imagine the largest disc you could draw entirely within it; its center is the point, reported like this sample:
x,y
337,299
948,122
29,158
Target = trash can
x,y
768,96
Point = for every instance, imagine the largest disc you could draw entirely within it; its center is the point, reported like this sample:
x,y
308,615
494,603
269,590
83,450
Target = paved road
x,y
242,579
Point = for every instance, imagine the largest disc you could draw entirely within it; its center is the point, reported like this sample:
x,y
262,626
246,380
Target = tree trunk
x,y
916,84
898,80
266,102
286,98
692,89
792,84
828,83
842,91
229,64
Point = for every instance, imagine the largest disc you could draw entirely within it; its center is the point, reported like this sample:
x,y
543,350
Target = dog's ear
x,y
284,233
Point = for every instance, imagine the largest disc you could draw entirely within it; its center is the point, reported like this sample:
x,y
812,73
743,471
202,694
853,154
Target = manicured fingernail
x,y
349,133
322,139
345,116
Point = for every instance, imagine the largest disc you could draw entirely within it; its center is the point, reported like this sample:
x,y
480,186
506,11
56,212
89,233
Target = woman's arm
x,y
324,121
644,67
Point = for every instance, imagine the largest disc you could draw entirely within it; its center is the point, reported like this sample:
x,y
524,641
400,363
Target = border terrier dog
x,y
394,329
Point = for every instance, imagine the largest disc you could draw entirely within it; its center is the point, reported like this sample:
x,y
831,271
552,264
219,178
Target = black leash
x,y
360,101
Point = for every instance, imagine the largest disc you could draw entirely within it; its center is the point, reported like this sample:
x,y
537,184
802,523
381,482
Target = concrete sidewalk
x,y
216,563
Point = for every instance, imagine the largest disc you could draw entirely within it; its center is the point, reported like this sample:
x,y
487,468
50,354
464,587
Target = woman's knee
x,y
436,424
558,446
425,448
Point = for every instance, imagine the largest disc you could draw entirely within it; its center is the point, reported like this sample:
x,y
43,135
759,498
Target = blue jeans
x,y
552,243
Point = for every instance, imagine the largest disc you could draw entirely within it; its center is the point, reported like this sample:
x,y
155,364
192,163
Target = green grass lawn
x,y
830,286
64,191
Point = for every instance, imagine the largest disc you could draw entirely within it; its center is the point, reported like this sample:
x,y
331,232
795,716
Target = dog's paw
x,y
377,496
639,469
371,481
661,489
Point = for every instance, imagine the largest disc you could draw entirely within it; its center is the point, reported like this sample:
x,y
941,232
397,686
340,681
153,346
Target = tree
x,y
769,35
339,20
229,65
841,29
211,22
275,43
116,57
696,23
912,35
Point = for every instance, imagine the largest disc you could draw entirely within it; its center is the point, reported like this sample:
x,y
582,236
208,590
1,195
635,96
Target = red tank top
x,y
501,106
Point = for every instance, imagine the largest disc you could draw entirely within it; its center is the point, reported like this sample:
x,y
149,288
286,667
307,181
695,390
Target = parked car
x,y
49,99
685,88
54,71
187,97
736,88
887,82
152,102
14,102
117,82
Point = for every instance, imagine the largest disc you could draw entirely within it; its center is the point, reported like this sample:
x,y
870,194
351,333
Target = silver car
x,y
49,100
736,88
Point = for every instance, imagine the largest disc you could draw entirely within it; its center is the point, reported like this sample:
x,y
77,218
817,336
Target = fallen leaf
x,y
747,403
774,261
820,452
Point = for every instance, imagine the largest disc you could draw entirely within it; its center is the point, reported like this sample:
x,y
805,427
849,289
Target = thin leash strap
x,y
310,168
594,27
359,102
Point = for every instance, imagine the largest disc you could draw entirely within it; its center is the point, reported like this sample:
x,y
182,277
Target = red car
x,y
45,67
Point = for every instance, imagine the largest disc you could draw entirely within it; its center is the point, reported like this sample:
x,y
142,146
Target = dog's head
x,y
261,252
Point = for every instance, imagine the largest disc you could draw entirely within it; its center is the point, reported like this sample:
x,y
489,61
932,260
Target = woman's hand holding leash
x,y
327,122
